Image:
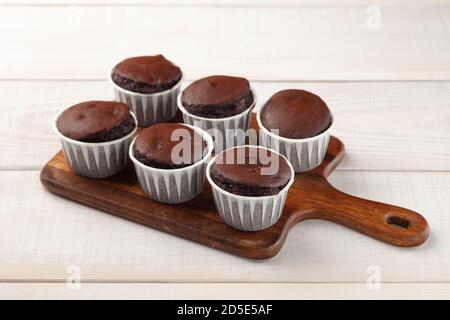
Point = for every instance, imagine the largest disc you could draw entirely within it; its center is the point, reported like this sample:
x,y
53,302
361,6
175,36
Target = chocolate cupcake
x,y
296,123
96,121
95,136
170,161
220,105
157,146
146,74
297,114
149,85
250,185
217,97
245,176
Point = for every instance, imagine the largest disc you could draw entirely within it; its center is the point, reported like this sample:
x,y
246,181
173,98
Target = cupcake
x,y
149,85
296,123
250,185
95,136
221,105
170,161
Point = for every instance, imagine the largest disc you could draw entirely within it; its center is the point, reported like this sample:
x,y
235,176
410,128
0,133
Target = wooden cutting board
x,y
311,197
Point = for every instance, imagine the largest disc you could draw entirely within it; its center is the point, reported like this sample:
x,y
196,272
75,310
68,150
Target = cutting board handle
x,y
385,222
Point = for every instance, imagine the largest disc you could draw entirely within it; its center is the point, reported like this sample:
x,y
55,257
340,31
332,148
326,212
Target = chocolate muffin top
x,y
169,146
146,74
250,171
297,114
217,96
96,121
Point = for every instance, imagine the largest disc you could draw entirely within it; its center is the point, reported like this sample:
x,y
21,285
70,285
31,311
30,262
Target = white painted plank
x,y
263,43
41,235
213,3
213,291
384,125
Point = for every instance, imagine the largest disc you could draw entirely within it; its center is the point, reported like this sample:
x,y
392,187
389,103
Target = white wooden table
x,y
388,87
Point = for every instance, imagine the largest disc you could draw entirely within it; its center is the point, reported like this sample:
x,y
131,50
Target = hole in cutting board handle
x,y
401,222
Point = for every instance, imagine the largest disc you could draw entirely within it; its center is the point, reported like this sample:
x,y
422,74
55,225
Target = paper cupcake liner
x,y
248,213
173,185
303,154
217,127
96,160
149,108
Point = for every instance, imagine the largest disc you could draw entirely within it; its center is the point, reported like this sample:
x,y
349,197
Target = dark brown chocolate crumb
x,y
141,87
243,189
223,110
155,164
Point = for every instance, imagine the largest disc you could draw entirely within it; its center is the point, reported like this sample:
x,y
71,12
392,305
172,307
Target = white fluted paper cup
x,y
249,213
173,185
227,132
304,154
149,108
96,159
